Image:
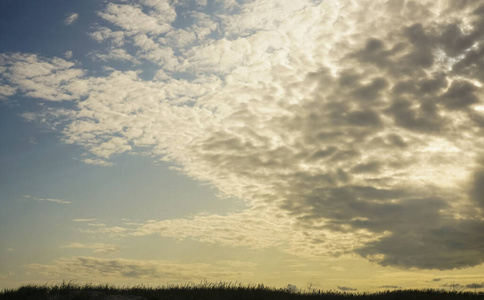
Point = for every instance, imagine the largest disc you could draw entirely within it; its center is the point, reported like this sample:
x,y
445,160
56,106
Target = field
x,y
209,291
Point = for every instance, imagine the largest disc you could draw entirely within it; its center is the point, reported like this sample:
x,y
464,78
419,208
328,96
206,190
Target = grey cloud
x,y
421,56
346,289
477,188
422,119
472,64
390,287
364,118
371,91
370,167
475,285
442,244
92,267
375,53
460,95
454,41
425,86
397,140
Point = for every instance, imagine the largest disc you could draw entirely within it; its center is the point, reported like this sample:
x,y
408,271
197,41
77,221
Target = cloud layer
x,y
342,127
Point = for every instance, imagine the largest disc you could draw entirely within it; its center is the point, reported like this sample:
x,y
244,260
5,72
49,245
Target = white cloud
x,y
50,79
201,2
71,19
83,220
58,201
134,21
68,54
6,91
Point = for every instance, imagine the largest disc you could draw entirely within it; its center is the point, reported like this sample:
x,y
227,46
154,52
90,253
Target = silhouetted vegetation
x,y
211,291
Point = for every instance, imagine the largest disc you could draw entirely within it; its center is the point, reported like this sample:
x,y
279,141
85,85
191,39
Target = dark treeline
x,y
209,291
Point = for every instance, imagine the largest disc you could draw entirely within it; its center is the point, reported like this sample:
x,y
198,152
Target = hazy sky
x,y
337,144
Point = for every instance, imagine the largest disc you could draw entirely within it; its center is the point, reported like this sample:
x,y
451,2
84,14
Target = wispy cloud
x,y
346,289
92,268
71,19
84,220
58,201
390,287
475,285
96,247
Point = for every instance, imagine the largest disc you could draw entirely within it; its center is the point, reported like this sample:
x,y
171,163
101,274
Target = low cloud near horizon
x,y
345,132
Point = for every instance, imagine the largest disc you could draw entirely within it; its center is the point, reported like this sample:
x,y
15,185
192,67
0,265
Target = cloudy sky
x,y
336,144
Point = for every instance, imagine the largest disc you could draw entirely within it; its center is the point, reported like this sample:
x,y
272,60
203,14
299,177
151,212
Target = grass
x,y
213,291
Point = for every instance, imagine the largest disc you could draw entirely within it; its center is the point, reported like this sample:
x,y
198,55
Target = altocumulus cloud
x,y
350,128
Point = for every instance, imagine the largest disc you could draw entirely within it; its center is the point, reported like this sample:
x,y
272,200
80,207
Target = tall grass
x,y
213,291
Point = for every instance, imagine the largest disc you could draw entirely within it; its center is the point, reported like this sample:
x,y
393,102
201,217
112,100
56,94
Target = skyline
x,y
331,144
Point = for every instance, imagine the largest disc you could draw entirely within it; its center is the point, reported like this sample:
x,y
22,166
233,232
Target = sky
x,y
333,144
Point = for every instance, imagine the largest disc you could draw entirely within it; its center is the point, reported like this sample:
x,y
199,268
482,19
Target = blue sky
x,y
283,142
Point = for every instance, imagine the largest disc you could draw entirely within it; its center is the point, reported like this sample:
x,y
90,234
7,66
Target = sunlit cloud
x,y
345,132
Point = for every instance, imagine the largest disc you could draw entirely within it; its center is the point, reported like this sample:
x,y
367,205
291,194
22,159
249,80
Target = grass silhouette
x,y
213,291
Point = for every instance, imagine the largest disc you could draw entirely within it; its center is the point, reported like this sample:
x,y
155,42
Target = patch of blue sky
x,y
38,27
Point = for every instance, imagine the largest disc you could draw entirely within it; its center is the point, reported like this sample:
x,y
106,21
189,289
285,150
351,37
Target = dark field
x,y
208,291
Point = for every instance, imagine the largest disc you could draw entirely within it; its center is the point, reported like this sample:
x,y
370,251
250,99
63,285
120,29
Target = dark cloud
x,y
346,289
397,140
459,286
454,41
475,285
421,118
477,188
460,95
363,118
390,287
370,167
371,91
439,244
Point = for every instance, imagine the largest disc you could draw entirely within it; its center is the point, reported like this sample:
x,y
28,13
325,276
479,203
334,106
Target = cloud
x,y
84,220
344,132
49,79
390,287
58,201
475,286
71,19
96,247
116,54
85,268
346,289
